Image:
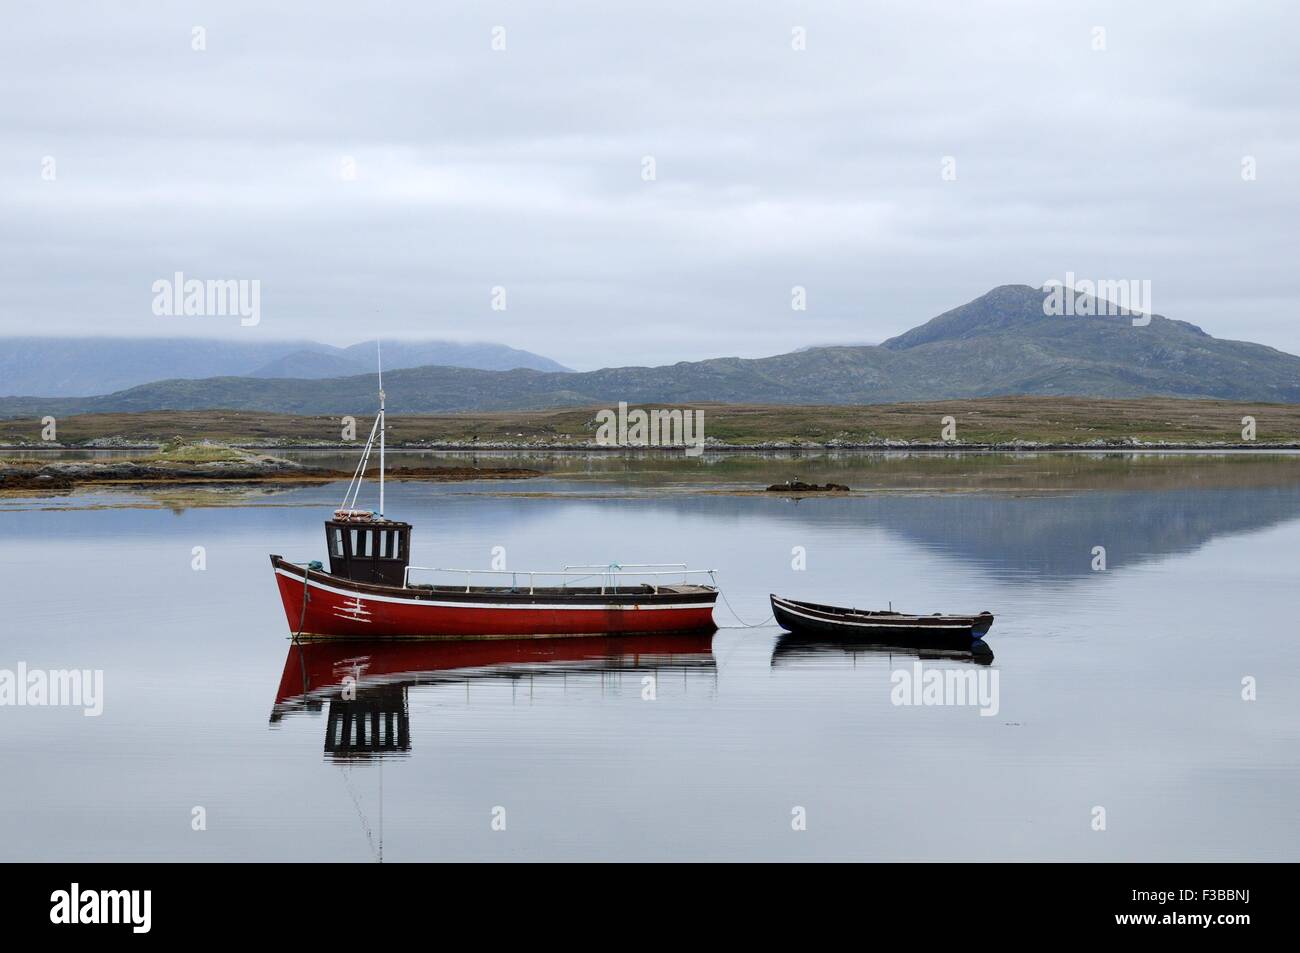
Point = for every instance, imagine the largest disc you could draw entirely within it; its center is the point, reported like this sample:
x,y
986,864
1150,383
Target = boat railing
x,y
609,575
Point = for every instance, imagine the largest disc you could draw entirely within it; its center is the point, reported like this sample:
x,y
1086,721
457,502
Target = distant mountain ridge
x,y
83,367
1002,343
322,361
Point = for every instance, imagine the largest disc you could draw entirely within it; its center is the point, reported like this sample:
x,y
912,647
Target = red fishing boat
x,y
368,591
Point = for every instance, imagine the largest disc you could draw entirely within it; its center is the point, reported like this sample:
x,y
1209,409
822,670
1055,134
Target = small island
x,y
798,486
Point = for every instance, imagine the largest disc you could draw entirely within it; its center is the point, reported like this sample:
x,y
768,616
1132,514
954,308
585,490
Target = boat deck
x,y
639,590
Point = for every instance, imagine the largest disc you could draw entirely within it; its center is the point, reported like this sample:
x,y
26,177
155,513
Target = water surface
x,y
1119,689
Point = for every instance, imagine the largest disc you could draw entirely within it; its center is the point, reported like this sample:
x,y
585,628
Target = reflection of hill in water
x,y
1054,537
1048,537
1042,537
1139,507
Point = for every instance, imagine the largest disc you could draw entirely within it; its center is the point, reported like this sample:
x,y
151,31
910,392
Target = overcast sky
x,y
523,167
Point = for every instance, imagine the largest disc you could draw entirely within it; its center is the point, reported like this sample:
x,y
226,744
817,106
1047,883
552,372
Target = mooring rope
x,y
736,615
361,814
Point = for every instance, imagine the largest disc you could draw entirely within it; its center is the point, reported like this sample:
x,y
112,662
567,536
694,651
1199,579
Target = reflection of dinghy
x,y
897,627
795,648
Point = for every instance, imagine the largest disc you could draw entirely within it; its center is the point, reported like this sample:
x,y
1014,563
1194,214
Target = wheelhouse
x,y
366,548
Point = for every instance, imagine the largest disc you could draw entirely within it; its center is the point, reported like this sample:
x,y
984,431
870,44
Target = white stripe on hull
x,y
531,606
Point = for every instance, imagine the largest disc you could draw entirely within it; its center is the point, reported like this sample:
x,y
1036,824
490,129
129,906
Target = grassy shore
x,y
1056,421
182,453
206,463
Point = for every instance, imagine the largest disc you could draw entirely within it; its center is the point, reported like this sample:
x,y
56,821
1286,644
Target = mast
x,y
383,425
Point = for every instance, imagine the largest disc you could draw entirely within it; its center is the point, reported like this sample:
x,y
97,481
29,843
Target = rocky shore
x,y
248,468
798,486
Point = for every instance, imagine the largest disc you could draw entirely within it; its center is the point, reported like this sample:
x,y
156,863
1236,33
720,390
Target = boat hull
x,y
320,605
823,620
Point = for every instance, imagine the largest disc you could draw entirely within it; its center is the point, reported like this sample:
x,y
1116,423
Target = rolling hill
x,y
83,367
999,344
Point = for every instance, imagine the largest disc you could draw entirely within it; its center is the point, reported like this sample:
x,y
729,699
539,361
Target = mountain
x,y
81,367
485,357
318,363
76,367
310,365
1001,343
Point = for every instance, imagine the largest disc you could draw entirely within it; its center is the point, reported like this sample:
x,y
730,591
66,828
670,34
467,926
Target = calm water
x,y
1119,689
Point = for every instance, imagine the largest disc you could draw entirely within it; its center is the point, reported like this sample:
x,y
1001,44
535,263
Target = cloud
x,y
522,168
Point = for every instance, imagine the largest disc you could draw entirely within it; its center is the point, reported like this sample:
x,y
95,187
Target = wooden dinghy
x,y
813,618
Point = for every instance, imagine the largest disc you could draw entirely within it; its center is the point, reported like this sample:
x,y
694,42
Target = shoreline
x,y
66,475
976,424
1026,446
775,475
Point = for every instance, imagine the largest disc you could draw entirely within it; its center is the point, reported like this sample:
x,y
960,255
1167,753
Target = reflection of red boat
x,y
315,671
368,593
365,683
